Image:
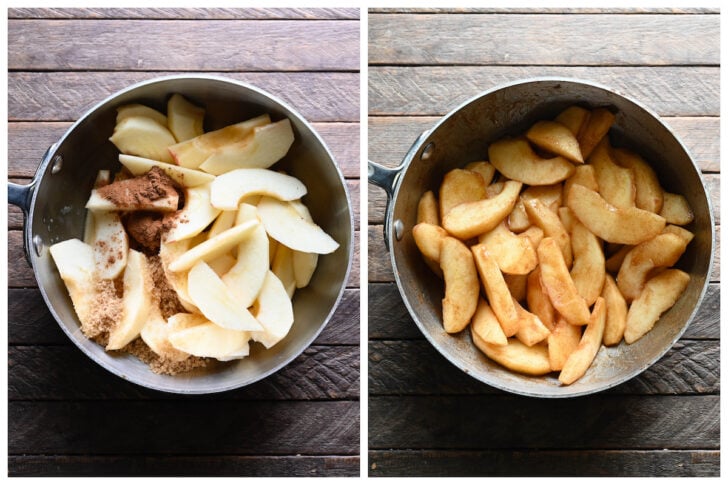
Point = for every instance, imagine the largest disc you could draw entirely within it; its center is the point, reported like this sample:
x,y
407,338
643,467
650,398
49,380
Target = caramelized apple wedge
x,y
514,158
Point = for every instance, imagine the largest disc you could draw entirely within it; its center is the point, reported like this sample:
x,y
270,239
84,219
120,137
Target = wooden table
x,y
67,415
425,416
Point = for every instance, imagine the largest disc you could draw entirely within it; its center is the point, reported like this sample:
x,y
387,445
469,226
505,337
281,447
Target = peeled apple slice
x,y
304,264
275,312
111,245
155,334
184,176
75,262
284,224
144,137
229,188
210,340
215,301
195,216
134,109
184,119
136,303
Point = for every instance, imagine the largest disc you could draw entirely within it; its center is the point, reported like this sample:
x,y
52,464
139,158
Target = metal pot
x,y
462,136
54,201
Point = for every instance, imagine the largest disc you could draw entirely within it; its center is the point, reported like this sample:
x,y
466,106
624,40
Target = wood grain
x,y
519,463
183,426
594,422
690,367
66,96
185,13
536,39
431,91
188,465
151,45
550,10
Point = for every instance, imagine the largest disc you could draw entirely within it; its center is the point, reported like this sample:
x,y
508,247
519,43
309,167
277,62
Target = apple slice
x,y
191,153
222,264
283,223
245,279
485,324
195,216
304,264
144,137
181,321
224,221
111,245
261,149
75,262
214,247
555,138
103,178
169,252
473,218
183,176
573,117
274,312
211,296
155,334
184,119
210,340
282,267
582,357
166,204
135,109
515,159
136,302
228,189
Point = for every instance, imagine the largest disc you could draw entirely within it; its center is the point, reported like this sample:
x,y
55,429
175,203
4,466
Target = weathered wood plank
x,y
690,367
389,319
550,10
518,463
432,91
593,422
543,39
183,426
168,466
30,322
66,96
391,136
270,45
185,13
64,373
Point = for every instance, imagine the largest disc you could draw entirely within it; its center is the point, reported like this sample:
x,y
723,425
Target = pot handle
x,y
386,178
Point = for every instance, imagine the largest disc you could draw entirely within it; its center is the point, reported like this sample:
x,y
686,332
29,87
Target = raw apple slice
x,y
155,334
304,264
181,321
144,137
214,247
282,267
169,252
195,216
166,204
210,340
228,189
184,119
261,149
134,109
274,312
75,262
111,245
183,176
224,221
103,178
246,277
283,223
211,296
222,264
136,302
193,152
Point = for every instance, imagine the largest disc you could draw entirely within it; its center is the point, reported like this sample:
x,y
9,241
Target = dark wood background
x,y
67,415
425,416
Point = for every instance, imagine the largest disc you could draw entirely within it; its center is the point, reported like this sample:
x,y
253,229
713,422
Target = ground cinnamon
x,y
139,192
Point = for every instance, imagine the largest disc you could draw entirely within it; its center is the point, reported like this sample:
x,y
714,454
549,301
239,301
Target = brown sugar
x,y
140,192
159,365
107,309
163,293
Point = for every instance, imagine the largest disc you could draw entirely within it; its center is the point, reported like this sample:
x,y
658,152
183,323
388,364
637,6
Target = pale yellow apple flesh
x,y
75,262
228,189
143,137
155,334
214,247
183,176
284,224
245,278
195,216
111,245
136,301
274,312
184,119
135,109
282,267
210,340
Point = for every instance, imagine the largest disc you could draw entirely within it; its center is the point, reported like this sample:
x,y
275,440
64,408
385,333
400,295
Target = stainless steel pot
x,y
462,136
54,201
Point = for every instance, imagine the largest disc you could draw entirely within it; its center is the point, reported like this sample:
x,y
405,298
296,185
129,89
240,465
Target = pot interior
x,y
58,213
463,136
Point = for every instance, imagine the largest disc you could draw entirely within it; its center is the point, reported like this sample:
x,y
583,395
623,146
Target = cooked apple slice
x,y
648,191
485,169
624,226
560,287
144,137
427,209
530,328
514,158
184,119
282,267
573,117
555,138
562,342
274,312
210,340
195,216
428,238
616,184
596,128
516,356
214,247
111,245
659,295
474,218
551,225
135,109
538,300
212,297
75,262
583,175
588,269
676,210
460,186
155,334
616,312
183,176
136,302
591,341
261,149
461,285
191,153
496,289
485,325
284,224
514,254
228,189
246,277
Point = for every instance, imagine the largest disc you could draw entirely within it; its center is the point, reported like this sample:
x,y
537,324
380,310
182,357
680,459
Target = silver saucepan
x,y
54,201
462,136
